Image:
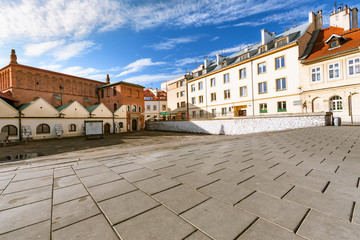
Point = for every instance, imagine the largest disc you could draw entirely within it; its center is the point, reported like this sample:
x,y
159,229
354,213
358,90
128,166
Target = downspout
x,y
252,83
187,99
61,94
20,129
114,128
351,110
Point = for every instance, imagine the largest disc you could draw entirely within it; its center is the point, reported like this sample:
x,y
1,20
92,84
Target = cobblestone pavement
x,y
299,184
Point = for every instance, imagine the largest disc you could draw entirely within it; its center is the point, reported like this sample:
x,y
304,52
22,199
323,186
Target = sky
x,y
141,41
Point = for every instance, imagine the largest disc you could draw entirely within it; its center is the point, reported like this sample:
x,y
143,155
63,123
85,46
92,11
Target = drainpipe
x,y
206,102
20,129
61,94
351,110
252,83
114,128
187,99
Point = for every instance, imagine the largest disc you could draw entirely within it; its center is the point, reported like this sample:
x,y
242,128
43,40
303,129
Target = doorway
x,y
107,128
134,125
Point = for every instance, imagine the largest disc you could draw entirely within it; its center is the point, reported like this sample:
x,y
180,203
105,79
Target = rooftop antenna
x,y
335,7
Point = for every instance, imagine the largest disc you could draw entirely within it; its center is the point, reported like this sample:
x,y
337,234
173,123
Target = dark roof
x,y
310,44
3,95
62,107
90,109
120,82
24,105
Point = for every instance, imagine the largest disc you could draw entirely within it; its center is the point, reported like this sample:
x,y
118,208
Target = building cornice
x,y
246,61
331,56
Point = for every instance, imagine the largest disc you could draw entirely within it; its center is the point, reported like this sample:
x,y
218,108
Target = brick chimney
x,y
107,79
13,58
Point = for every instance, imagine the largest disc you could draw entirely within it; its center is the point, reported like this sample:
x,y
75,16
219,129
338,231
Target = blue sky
x,y
140,41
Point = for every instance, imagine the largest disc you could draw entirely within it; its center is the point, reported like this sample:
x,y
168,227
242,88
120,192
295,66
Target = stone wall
x,y
243,125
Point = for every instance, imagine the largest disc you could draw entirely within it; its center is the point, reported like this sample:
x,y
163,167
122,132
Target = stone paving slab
x,y
288,185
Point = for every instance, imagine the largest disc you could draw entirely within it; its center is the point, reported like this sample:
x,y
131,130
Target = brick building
x,y
26,84
123,93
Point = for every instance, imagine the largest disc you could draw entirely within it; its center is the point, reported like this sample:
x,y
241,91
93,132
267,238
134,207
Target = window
x,y
42,128
182,83
200,85
148,107
177,94
281,106
154,107
115,107
201,99
193,100
280,84
263,87
137,93
182,104
334,44
178,105
183,116
212,82
229,109
223,111
227,94
139,108
243,91
72,128
130,93
163,107
10,130
213,112
201,113
281,42
133,108
336,103
182,93
262,68
226,78
334,71
128,108
194,114
193,87
354,66
262,49
279,62
242,73
244,57
213,97
114,91
121,124
102,93
316,74
263,107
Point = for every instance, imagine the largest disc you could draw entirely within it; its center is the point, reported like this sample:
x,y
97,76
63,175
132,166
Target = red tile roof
x,y
321,49
8,97
160,96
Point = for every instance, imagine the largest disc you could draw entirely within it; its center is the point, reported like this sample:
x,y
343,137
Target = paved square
x,y
299,184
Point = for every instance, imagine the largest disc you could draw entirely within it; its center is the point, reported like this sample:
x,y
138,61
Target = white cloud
x,y
72,50
187,61
214,38
54,67
37,49
146,78
4,61
170,43
138,65
228,50
79,71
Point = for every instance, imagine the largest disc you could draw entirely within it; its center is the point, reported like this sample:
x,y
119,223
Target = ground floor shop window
x,y
336,103
10,130
42,129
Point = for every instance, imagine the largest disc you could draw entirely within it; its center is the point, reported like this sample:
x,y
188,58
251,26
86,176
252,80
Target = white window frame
x,y
334,70
261,89
212,82
223,111
192,87
261,66
242,73
193,100
227,94
148,107
213,97
317,72
200,86
201,99
354,65
243,91
281,63
282,84
226,79
336,104
182,94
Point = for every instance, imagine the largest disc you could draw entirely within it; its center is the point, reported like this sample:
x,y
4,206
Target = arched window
x,y
42,128
140,109
128,108
72,128
134,108
121,124
115,107
336,103
10,130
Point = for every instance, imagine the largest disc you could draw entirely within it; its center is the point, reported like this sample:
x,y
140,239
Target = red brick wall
x,y
29,83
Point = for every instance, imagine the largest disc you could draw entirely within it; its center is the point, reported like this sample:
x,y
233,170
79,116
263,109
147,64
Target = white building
x,y
155,104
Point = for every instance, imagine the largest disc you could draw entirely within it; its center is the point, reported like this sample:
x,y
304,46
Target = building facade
x,y
330,73
260,79
155,105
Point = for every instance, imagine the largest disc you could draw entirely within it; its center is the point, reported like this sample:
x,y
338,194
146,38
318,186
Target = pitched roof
x,y
62,107
92,108
321,48
25,105
3,95
161,95
120,82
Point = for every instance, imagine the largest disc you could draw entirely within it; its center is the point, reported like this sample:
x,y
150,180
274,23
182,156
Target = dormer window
x,y
244,56
281,42
334,44
262,49
335,41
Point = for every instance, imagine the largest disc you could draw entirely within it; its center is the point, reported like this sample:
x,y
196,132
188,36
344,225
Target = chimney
x,y
206,63
319,20
107,79
312,17
13,58
341,19
355,23
219,59
266,37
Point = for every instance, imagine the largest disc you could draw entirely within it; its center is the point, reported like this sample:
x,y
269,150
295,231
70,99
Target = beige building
x,y
330,73
155,105
260,79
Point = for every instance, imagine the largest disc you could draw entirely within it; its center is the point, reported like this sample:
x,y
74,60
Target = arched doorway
x,y
134,125
107,128
317,105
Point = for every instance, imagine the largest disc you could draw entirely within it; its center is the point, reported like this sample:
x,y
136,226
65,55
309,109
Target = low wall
x,y
243,125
